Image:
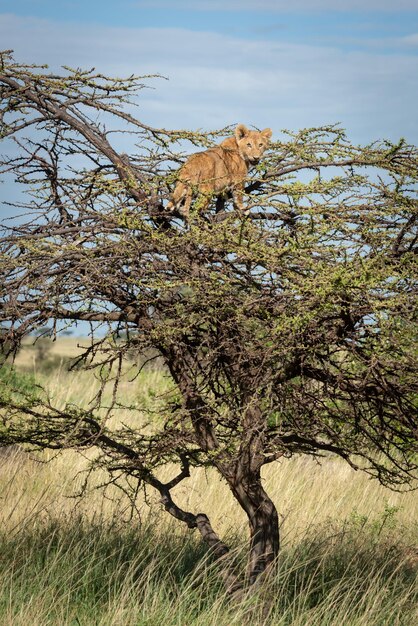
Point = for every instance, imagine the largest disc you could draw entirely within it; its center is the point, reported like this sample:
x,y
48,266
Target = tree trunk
x,y
264,526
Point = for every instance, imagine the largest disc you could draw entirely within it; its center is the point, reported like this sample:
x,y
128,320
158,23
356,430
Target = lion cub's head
x,y
252,143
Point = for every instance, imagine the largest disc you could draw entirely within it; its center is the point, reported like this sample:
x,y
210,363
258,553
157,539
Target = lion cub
x,y
220,169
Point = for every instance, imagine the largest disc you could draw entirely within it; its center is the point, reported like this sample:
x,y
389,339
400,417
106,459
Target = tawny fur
x,y
219,170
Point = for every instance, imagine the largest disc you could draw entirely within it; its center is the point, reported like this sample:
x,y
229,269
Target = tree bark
x,y
264,526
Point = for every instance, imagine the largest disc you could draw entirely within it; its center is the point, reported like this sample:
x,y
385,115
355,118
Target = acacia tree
x,y
288,330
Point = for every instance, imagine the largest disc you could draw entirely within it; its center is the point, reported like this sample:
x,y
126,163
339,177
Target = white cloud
x,y
218,79
410,40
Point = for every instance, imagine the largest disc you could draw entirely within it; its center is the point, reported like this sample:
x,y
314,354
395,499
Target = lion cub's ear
x,y
240,131
267,132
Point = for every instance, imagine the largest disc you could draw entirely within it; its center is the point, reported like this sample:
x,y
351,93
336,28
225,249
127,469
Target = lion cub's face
x,y
252,143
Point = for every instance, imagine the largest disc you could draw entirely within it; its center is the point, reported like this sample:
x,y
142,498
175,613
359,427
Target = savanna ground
x,y
347,558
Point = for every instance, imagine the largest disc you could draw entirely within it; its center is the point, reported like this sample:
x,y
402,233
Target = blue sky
x,y
263,62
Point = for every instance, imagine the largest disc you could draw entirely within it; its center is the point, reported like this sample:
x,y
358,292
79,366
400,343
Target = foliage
x,y
288,330
14,384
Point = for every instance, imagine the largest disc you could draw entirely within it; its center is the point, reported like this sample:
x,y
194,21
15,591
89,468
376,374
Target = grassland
x,y
348,554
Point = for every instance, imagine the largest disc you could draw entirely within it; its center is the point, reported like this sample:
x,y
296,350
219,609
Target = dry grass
x,y
341,532
304,491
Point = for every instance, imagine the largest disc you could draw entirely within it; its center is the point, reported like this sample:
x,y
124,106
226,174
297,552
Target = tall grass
x,y
73,571
347,558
